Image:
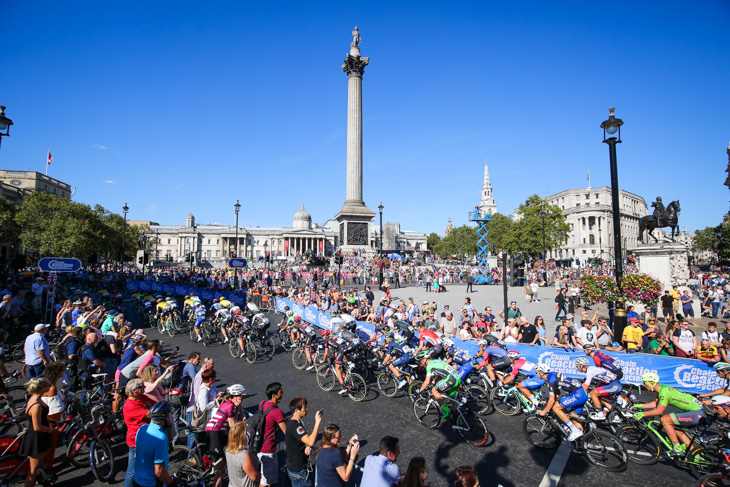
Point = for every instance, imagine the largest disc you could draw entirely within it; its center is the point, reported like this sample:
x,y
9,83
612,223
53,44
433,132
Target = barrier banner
x,y
238,299
688,375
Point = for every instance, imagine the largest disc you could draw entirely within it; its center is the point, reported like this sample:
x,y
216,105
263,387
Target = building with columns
x,y
589,213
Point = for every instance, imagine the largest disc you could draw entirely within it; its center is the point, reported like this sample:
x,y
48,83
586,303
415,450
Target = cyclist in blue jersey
x,y
575,399
200,314
607,385
494,357
458,358
400,353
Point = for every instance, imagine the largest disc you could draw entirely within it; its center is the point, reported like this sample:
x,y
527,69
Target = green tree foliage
x,y
714,239
705,239
461,243
501,236
8,227
54,226
433,241
528,230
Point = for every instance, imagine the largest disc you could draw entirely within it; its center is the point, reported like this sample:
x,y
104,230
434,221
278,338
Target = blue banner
x,y
687,375
238,299
237,263
59,264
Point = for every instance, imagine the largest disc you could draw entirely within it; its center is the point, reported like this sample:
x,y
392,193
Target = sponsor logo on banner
x,y
324,321
280,304
309,315
701,377
632,369
59,264
298,310
182,290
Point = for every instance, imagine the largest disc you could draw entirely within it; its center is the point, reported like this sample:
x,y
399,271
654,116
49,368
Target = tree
x,y
501,236
704,240
528,230
461,243
714,239
433,241
8,228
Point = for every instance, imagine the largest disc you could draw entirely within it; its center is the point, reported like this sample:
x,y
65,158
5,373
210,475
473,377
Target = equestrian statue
x,y
662,217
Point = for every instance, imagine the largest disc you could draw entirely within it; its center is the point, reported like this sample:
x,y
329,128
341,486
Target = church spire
x,y
487,201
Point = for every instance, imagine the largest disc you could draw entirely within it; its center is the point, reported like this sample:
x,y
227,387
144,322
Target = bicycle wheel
x,y
101,460
18,352
77,450
177,321
326,378
206,330
428,412
268,345
413,389
24,372
540,432
714,480
507,403
161,326
387,384
604,450
193,335
642,446
250,351
477,399
285,340
299,359
471,427
702,461
357,389
234,348
181,466
170,327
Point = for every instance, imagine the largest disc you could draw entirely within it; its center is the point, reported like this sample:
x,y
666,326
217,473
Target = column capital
x,y
355,65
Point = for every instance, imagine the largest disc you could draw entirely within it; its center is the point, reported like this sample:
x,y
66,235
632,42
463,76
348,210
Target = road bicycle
x,y
388,382
169,323
599,447
255,342
508,400
356,387
191,466
88,446
462,419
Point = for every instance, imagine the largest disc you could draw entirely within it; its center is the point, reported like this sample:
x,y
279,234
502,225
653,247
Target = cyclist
x,y
600,359
306,333
223,316
691,415
200,315
161,307
225,303
289,325
522,369
495,358
723,370
610,384
400,353
285,318
429,340
343,341
442,378
575,399
458,358
381,330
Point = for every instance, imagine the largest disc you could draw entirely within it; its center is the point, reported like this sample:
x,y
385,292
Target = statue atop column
x,y
356,38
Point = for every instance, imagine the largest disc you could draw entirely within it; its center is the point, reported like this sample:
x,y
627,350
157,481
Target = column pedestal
x,y
665,261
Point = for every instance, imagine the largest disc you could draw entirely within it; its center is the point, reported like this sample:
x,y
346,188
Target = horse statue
x,y
665,218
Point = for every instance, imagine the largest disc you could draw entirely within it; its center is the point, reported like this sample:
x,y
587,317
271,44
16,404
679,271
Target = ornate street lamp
x,y
5,124
237,207
380,241
613,126
125,209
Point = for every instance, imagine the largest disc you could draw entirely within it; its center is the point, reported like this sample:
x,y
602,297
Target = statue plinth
x,y
666,261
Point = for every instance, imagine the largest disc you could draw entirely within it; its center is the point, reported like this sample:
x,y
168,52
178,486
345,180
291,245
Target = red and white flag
x,y
50,158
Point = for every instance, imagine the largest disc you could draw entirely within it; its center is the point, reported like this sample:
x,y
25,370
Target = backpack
x,y
102,349
83,364
62,349
257,428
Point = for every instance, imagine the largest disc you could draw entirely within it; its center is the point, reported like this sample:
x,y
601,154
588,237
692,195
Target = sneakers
x,y
575,434
310,367
402,384
598,416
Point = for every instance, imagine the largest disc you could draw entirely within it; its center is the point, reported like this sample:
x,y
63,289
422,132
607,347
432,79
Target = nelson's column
x,y
355,218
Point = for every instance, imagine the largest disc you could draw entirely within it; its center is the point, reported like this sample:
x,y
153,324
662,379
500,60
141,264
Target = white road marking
x,y
557,465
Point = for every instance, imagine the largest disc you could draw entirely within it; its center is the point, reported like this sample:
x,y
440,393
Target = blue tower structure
x,y
481,217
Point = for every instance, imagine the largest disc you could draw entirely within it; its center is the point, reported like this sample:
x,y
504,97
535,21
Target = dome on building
x,y
302,219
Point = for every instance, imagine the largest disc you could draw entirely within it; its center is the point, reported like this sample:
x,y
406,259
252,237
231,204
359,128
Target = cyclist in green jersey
x,y
446,380
691,416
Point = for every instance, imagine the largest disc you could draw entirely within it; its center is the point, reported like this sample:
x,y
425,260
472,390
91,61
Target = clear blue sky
x,y
175,107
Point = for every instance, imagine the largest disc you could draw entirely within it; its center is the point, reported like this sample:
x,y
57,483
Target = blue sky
x,y
183,106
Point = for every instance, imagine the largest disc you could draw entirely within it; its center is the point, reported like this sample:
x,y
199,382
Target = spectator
x,y
510,332
381,470
449,325
687,308
564,336
37,351
466,476
465,332
331,469
88,357
541,331
207,394
667,302
562,302
417,473
274,419
208,364
55,400
299,444
135,411
685,341
633,335
660,345
650,329
527,333
37,441
712,335
707,353
153,390
243,470
671,326
512,312
725,350
152,457
221,420
586,334
605,336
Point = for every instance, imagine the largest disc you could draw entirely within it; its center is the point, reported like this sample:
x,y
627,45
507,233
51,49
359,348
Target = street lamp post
x,y
544,252
237,208
266,262
613,126
380,242
125,209
5,124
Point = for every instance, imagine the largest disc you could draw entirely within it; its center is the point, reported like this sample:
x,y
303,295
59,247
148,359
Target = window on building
x,y
573,251
217,253
584,251
217,241
577,204
53,190
62,194
584,240
591,222
588,196
596,195
45,187
592,239
593,251
169,240
208,241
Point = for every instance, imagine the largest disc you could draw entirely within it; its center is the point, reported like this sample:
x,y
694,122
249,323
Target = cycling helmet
x,y
290,313
237,311
136,338
297,319
589,346
348,322
722,367
169,300
581,361
215,300
236,390
187,296
542,369
286,308
482,343
158,296
160,410
513,354
434,353
650,378
159,300
448,343
720,401
389,336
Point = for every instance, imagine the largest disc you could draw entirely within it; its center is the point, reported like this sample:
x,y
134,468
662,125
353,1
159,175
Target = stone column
x,y
354,67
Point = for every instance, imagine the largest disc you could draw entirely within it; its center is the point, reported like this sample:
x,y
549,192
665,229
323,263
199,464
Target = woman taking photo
x,y
153,390
331,469
510,332
37,441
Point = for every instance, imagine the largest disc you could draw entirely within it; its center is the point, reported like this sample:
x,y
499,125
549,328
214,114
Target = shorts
x,y
688,312
666,311
123,379
447,384
402,360
217,441
575,401
308,340
532,383
339,355
613,387
465,370
269,468
501,363
688,418
199,322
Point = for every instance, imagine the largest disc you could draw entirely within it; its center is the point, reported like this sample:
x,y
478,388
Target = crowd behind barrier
x,y
687,375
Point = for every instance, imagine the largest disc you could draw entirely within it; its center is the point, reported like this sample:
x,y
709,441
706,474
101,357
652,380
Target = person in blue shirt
x,y
400,353
458,358
152,458
200,314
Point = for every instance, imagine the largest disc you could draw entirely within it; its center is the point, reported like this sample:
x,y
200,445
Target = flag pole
x,y
49,152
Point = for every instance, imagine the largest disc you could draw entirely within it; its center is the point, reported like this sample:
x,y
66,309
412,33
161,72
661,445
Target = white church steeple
x,y
487,202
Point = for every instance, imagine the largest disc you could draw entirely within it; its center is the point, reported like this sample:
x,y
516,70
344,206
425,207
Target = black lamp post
x,y
237,207
5,124
544,251
380,241
125,209
613,126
